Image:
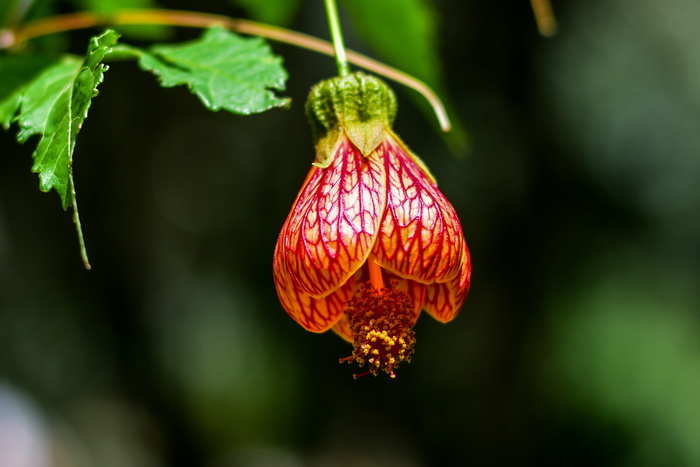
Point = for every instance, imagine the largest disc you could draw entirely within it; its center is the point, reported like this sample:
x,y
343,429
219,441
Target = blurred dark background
x,y
579,343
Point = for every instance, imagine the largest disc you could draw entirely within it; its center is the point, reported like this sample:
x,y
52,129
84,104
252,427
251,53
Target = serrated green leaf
x,y
16,72
278,12
54,106
44,111
224,70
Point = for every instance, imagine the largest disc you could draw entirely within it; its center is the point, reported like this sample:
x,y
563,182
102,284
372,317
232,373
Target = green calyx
x,y
358,105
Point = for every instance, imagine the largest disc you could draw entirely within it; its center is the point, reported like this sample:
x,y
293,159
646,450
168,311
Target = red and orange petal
x,y
420,236
332,226
381,208
314,314
444,300
343,329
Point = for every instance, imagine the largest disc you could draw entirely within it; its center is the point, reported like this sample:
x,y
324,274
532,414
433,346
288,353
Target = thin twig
x,y
72,21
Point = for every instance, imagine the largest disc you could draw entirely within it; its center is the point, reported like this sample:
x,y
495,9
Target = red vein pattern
x,y
443,300
314,314
381,208
331,228
420,230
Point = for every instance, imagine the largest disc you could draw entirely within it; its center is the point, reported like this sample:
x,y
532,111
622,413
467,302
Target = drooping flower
x,y
370,240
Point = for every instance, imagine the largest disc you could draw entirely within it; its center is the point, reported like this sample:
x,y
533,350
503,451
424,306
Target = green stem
x,y
341,60
79,228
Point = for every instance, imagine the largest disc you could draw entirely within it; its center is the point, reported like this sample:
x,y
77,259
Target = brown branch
x,y
72,21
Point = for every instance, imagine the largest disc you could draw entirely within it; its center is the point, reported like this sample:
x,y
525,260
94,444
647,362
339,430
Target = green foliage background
x,y
578,344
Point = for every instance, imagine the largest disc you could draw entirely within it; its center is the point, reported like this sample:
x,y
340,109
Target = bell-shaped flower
x,y
370,240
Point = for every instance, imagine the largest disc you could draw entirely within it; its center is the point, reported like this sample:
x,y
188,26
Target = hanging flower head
x,y
370,240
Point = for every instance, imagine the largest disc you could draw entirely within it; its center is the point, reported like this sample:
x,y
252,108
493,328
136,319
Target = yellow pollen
x,y
381,321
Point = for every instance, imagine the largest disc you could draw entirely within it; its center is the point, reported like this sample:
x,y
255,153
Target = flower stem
x,y
341,59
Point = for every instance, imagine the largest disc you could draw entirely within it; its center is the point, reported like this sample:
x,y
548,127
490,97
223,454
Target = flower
x,y
370,240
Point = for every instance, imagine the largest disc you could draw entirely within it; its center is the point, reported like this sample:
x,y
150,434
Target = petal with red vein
x,y
314,314
444,300
342,328
420,234
332,226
